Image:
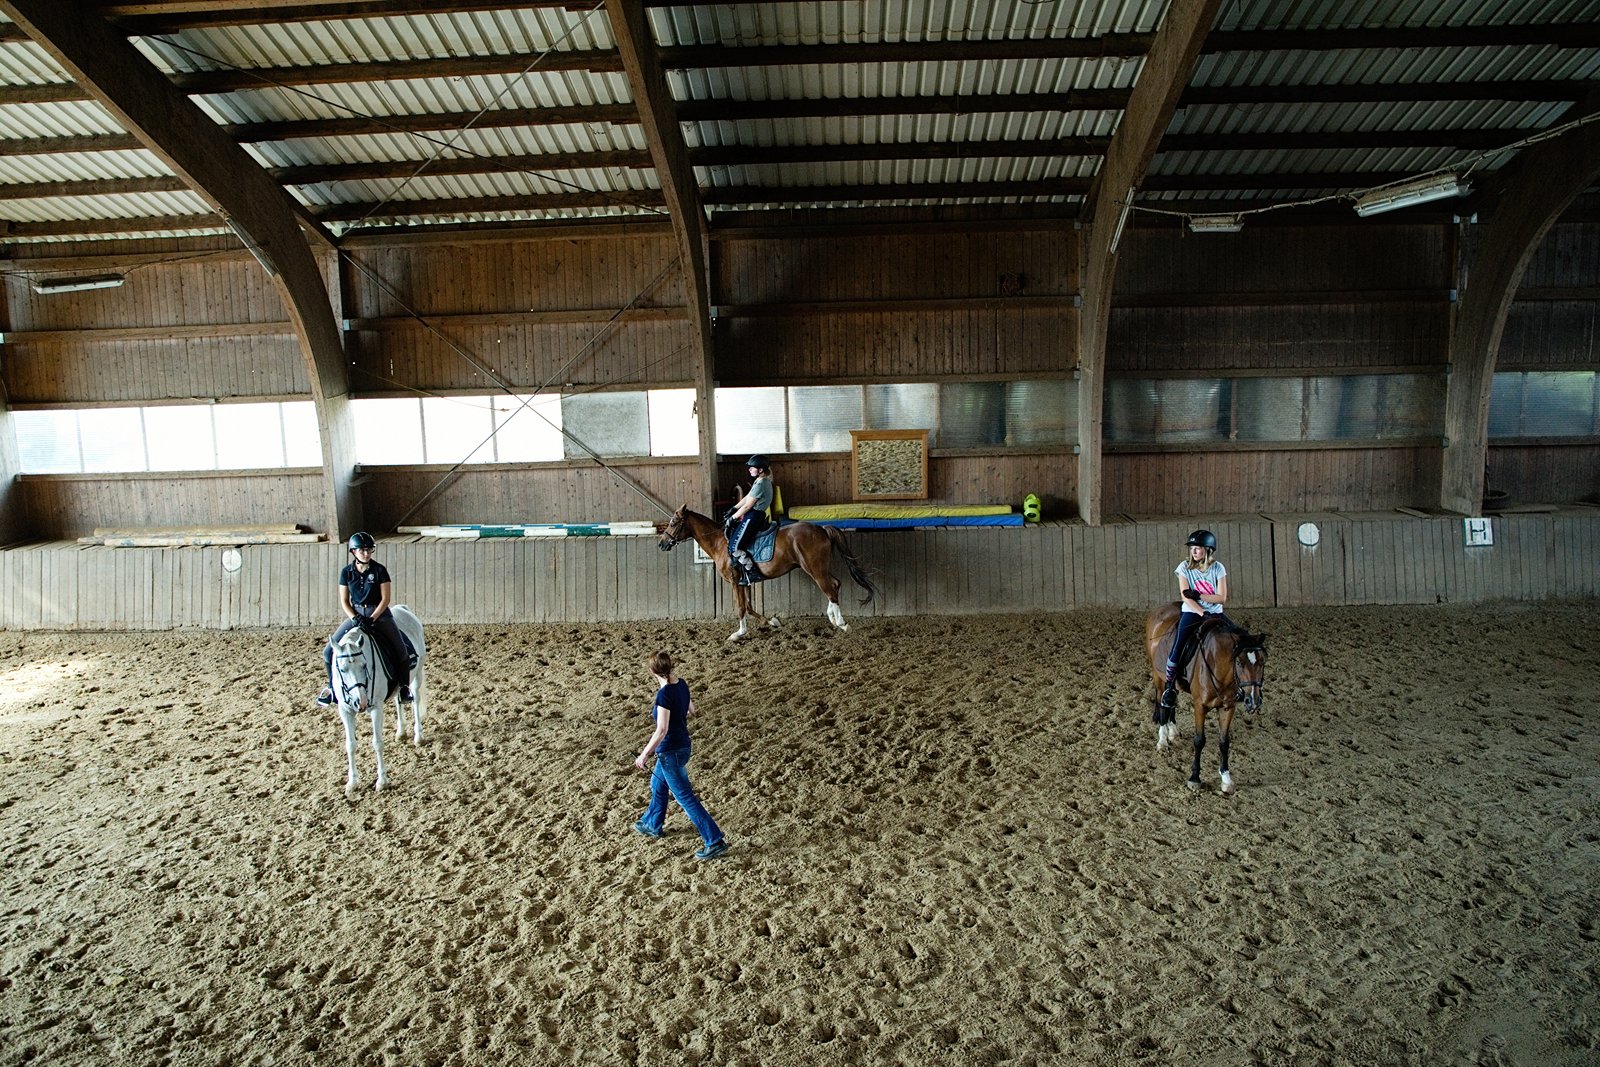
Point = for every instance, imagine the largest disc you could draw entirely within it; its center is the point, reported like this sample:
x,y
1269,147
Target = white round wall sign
x,y
231,560
1308,534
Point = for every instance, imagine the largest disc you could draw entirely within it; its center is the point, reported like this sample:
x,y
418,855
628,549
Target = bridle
x,y
1246,692
369,677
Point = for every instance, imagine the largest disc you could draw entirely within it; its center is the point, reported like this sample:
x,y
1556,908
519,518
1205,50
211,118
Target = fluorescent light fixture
x,y
1394,197
77,284
1215,223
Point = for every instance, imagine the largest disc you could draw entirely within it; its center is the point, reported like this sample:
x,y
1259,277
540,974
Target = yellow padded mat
x,y
894,511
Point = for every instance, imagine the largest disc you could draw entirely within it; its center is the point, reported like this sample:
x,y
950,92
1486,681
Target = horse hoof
x,y
773,622
1194,786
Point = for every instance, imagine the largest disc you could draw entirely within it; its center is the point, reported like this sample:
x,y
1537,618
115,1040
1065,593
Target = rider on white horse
x,y
366,592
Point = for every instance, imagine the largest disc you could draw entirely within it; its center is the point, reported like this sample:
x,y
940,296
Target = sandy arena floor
x,y
954,843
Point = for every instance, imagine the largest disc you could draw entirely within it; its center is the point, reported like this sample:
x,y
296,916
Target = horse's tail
x,y
858,574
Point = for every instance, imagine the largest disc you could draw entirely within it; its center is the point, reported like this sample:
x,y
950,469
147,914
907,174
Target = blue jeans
x,y
671,775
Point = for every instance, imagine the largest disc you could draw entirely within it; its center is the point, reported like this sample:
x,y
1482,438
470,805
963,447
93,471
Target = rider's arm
x,y
663,717
1221,595
344,601
385,592
690,710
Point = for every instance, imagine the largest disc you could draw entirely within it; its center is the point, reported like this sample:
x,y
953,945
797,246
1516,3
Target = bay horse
x,y
361,682
798,544
1228,667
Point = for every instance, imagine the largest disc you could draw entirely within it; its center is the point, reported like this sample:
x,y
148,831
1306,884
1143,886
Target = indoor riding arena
x,y
996,315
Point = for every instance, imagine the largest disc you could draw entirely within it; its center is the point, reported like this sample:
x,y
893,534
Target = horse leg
x,y
416,704
1224,724
741,603
1199,744
348,718
377,745
1159,716
823,576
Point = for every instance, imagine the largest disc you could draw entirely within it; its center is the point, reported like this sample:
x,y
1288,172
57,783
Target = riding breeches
x,y
745,532
393,647
1187,621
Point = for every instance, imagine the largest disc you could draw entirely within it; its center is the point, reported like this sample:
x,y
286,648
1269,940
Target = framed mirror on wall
x,y
889,464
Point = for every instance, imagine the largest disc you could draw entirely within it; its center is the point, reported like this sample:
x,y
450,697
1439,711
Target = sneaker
x,y
325,698
1169,698
645,830
713,850
405,694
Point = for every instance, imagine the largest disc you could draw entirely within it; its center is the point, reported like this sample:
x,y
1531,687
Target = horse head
x,y
354,669
1250,669
676,530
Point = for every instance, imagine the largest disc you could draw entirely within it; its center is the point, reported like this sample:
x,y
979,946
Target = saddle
x,y
398,674
1185,657
765,544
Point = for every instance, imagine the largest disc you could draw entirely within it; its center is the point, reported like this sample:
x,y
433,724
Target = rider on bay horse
x,y
748,518
1203,583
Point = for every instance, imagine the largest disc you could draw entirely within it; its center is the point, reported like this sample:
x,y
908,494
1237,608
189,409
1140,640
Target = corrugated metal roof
x,y
855,102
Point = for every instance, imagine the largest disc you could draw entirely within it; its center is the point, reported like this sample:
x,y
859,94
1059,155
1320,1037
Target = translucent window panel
x,y
971,414
674,426
1276,409
913,406
302,439
822,416
179,438
388,430
113,439
610,424
1042,413
456,429
249,436
1543,404
1164,411
751,420
528,428
47,442
1383,406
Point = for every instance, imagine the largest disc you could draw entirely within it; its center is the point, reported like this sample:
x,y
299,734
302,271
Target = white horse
x,y
360,683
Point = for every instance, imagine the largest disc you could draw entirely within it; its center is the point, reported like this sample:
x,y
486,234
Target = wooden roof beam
x,y
630,28
145,104
1155,97
1527,196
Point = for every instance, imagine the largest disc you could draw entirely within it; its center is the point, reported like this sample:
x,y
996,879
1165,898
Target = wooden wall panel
x,y
994,478
1275,259
71,506
1054,567
889,266
1148,340
1551,474
399,496
1288,480
404,358
897,346
84,372
1546,334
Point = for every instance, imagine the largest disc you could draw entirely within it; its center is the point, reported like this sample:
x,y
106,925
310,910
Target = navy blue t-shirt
x,y
673,696
365,589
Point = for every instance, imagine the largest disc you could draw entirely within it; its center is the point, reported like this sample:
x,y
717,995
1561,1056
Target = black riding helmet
x,y
1204,538
362,540
759,462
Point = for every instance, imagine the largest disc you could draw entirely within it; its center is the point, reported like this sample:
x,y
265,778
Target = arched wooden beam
x,y
147,105
630,29
1161,81
1530,194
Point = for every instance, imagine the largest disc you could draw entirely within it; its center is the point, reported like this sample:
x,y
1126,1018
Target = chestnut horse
x,y
798,544
1228,666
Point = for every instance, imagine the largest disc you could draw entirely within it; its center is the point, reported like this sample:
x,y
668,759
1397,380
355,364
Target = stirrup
x,y
1169,697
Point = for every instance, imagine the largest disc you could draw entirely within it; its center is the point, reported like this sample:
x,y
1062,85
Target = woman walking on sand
x,y
670,746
